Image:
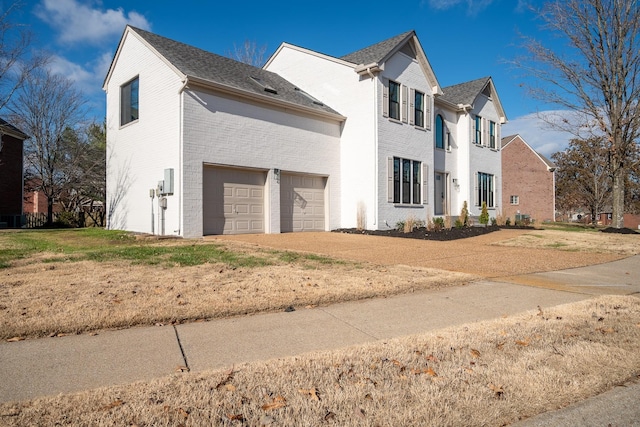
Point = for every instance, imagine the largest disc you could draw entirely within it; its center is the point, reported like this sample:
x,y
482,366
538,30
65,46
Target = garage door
x,y
233,201
302,203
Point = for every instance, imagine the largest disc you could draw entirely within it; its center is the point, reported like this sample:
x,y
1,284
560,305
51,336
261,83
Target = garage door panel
x,y
233,201
302,203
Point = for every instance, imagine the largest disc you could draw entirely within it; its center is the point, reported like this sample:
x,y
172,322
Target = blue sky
x,y
463,39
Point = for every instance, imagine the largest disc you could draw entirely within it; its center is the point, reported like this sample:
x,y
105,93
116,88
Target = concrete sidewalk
x,y
50,366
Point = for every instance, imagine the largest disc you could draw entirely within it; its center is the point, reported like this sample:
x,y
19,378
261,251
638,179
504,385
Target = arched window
x,y
439,132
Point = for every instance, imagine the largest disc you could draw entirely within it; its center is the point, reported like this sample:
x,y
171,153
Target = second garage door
x,y
302,203
233,201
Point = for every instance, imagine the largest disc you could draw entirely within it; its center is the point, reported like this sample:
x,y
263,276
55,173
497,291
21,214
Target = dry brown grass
x,y
584,241
484,374
39,299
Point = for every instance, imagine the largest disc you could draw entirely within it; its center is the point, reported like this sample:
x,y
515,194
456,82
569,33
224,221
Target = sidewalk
x,y
50,366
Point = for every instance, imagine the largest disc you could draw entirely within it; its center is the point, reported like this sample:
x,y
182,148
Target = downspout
x,y
180,174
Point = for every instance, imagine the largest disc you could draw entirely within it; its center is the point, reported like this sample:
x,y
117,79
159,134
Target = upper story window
x,y
492,134
129,94
419,109
394,100
440,133
478,131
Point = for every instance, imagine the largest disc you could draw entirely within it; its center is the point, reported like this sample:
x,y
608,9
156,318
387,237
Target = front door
x,y
440,194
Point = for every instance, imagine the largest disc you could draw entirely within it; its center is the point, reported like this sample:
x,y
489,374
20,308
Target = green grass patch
x,y
556,245
101,245
572,227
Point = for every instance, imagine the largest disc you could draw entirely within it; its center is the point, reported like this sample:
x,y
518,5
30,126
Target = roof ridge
x,y
221,70
377,51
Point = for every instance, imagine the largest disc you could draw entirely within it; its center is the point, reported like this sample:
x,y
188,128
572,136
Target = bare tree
x,y
598,77
46,107
249,53
17,59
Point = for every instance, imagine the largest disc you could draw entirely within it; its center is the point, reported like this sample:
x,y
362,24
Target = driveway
x,y
476,255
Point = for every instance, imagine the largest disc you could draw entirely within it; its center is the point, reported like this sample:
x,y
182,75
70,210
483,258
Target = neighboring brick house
x,y
11,174
35,201
528,186
201,144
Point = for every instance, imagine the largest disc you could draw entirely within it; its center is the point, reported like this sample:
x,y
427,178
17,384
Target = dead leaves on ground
x,y
276,403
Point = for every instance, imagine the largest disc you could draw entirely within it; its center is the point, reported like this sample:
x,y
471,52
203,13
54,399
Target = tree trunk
x,y
49,211
618,198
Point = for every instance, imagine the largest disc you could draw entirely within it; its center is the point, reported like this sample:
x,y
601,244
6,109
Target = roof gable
x,y
464,94
374,56
507,140
379,51
206,68
7,128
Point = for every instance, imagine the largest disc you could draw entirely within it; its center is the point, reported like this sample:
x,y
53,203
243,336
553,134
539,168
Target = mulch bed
x,y
423,233
619,230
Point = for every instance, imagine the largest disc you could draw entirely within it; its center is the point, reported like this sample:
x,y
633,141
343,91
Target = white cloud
x,y
81,23
538,133
72,71
473,6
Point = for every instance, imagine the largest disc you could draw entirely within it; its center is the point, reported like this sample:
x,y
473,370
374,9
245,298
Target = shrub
x,y
400,225
494,221
507,222
484,215
463,219
459,223
437,224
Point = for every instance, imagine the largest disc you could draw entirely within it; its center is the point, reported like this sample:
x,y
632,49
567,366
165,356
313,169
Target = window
x,y
492,134
514,200
419,109
485,189
394,100
407,181
439,132
478,130
129,102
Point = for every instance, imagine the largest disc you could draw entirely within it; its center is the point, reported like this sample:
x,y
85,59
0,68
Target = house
x,y
11,174
528,187
200,144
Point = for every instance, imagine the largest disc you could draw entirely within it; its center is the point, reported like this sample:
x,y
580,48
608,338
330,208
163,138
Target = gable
x,y
465,95
372,59
516,142
204,69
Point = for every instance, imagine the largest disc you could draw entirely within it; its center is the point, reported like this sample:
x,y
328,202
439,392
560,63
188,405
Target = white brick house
x,y
309,142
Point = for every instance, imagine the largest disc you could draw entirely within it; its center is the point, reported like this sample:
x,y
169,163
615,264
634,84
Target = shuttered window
x,y
485,185
478,130
394,100
405,181
492,134
418,109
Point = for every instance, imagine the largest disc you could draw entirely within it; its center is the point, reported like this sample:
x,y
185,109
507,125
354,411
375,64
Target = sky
x,y
463,39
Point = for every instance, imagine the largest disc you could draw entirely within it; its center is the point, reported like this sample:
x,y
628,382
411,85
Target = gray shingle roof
x,y
11,129
201,64
378,51
464,93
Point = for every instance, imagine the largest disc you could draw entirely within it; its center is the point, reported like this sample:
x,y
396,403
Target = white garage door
x,y
302,203
233,201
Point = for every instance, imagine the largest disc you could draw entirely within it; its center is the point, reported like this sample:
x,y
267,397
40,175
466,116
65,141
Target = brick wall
x,y
526,175
11,176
